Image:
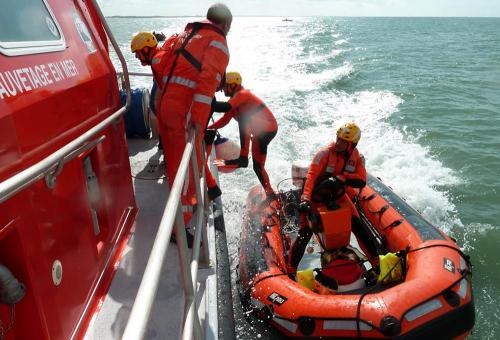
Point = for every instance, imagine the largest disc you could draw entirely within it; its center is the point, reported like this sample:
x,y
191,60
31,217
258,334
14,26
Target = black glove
x,y
241,162
304,206
209,136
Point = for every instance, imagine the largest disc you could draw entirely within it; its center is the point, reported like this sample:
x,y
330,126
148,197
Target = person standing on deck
x,y
188,69
333,167
256,123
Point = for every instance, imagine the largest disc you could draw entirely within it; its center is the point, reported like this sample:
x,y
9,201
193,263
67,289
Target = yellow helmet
x,y
349,132
233,78
141,40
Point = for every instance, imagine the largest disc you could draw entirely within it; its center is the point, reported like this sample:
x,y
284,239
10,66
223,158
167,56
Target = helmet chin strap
x,y
146,58
231,89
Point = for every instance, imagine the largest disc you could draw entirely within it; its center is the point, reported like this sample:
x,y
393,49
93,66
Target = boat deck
x,y
151,192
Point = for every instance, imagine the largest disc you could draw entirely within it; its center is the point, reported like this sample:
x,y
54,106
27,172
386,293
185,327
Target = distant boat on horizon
x,y
286,19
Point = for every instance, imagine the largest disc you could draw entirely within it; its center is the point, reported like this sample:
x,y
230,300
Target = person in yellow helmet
x,y
144,45
333,167
256,123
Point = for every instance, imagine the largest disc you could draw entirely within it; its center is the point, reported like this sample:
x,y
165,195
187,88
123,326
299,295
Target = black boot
x,y
189,239
299,246
214,192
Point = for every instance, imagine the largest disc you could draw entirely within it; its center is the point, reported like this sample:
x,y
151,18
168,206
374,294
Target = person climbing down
x,y
256,123
213,189
333,167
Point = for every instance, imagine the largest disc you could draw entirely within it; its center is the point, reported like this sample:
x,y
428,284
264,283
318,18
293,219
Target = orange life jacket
x,y
327,163
195,60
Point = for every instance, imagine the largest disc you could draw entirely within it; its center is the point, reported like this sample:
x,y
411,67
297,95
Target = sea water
x,y
426,94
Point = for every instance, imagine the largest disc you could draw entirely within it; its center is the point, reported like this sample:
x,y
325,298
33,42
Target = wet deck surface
x,y
165,322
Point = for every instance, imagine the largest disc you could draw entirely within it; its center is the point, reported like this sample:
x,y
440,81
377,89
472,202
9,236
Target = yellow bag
x,y
306,278
387,262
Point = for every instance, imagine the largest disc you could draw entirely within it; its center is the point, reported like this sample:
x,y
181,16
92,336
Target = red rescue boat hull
x,y
63,241
434,300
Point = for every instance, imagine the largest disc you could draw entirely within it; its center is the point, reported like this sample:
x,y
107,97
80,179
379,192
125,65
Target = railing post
x,y
119,53
141,309
192,319
204,259
205,255
187,280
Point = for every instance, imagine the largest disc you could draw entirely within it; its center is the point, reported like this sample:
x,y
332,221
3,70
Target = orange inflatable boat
x,y
375,269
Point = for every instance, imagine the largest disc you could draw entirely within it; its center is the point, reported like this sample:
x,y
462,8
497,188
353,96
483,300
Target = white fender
x,y
226,149
299,172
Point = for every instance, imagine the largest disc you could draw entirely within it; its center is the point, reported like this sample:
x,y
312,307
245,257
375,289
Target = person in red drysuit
x,y
256,123
333,167
188,69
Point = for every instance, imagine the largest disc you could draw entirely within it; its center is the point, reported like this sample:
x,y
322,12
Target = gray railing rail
x,y
144,300
140,74
56,160
172,215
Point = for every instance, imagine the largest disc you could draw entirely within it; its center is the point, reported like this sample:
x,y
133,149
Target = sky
x,y
436,8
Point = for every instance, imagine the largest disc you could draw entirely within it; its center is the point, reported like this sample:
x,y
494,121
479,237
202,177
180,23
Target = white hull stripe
x,y
202,99
423,309
257,303
181,81
290,326
220,46
462,291
345,325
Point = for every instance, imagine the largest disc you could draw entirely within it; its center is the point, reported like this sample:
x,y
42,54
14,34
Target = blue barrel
x,y
137,117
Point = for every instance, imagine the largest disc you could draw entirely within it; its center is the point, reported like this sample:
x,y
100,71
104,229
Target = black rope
x,y
217,134
463,275
367,198
402,256
149,178
459,251
255,283
11,322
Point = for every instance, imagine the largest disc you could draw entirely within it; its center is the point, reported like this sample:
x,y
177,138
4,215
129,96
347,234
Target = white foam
x,y
294,83
336,52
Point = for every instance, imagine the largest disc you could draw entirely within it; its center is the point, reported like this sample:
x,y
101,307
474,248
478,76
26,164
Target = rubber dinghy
x,y
425,293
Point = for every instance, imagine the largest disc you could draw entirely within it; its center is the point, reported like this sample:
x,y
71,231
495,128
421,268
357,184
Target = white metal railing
x,y
53,163
140,74
143,303
141,310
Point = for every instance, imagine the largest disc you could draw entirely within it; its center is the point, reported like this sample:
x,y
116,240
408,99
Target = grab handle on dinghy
x,y
380,212
393,224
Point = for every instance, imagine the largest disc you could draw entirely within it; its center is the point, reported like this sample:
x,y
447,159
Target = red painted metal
x,y
40,225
